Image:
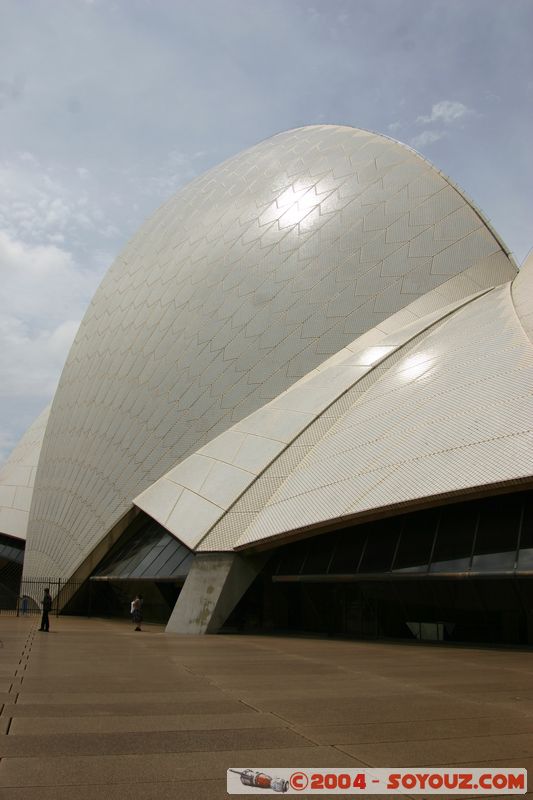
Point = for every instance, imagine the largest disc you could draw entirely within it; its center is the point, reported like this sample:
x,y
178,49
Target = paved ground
x,y
94,710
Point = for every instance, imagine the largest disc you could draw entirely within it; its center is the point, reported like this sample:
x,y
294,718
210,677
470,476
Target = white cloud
x,y
43,295
30,365
426,137
39,202
160,180
446,111
41,285
31,361
60,228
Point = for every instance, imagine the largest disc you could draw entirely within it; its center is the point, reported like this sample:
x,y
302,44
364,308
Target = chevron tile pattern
x,y
17,479
522,294
452,413
228,465
241,284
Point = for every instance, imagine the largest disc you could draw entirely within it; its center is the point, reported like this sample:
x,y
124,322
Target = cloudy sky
x,y
108,106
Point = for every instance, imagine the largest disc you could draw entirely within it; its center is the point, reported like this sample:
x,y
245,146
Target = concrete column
x,y
215,584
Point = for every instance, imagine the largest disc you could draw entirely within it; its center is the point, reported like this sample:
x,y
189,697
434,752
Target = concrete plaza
x,y
94,710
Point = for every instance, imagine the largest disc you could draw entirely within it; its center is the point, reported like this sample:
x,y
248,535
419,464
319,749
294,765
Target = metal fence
x,y
28,598
91,598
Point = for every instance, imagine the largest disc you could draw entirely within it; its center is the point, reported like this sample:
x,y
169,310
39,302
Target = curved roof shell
x,y
17,478
236,288
522,292
447,414
439,408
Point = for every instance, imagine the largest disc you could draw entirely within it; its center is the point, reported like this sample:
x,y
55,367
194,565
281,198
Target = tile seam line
x,y
396,465
516,314
455,186
424,331
465,492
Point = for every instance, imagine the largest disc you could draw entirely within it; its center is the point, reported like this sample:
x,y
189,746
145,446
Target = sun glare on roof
x,y
295,204
415,365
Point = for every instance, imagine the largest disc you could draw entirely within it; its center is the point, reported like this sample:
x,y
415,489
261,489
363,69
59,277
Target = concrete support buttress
x,y
215,584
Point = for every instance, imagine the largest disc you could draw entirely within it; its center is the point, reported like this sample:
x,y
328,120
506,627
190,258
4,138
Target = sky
x,y
107,107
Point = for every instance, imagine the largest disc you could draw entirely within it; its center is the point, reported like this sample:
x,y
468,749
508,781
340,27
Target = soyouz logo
x,y
283,780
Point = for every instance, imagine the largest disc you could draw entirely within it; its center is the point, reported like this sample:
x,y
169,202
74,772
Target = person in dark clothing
x,y
136,613
46,603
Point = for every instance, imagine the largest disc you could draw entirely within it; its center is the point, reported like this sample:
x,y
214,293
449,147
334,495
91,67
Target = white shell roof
x,y
191,498
523,295
447,413
17,477
239,286
450,415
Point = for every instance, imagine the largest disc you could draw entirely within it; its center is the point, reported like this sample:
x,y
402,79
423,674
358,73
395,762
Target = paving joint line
x,y
249,705
434,739
340,750
118,783
429,719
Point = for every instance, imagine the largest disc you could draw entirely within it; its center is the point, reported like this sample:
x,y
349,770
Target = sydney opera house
x,y
300,400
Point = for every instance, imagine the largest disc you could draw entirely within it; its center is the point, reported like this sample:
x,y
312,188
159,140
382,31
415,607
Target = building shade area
x,y
491,536
461,572
145,560
145,552
11,562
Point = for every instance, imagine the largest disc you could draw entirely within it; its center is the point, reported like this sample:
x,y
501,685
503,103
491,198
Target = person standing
x,y
46,603
136,612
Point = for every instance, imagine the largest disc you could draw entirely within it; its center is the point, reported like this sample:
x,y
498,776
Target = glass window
x,y
525,557
498,595
380,546
126,566
148,552
11,553
497,535
416,542
291,558
177,566
347,551
156,545
160,556
319,554
455,536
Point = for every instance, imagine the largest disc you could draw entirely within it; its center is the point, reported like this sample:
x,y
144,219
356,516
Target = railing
x,y
28,599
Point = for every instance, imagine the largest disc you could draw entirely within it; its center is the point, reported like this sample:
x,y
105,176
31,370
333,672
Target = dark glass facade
x,y
11,562
146,560
147,551
480,537
459,572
